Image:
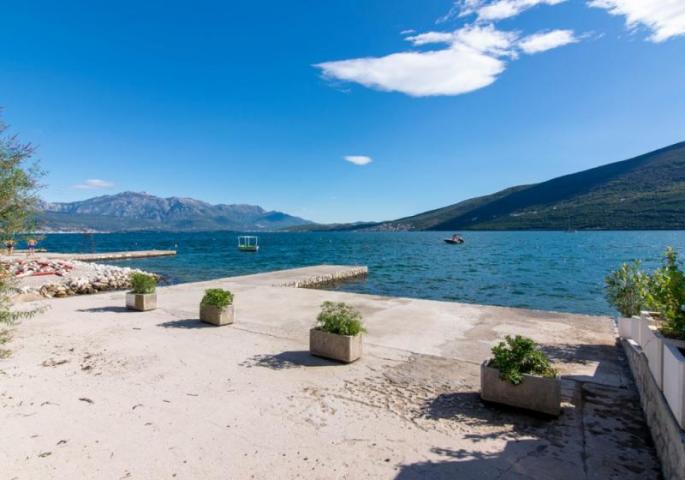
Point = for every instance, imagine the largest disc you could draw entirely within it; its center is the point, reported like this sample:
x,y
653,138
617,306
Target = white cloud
x,y
665,18
358,159
93,184
431,37
473,58
541,42
493,10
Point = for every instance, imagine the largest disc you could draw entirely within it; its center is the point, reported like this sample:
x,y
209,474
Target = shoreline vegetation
x,y
632,291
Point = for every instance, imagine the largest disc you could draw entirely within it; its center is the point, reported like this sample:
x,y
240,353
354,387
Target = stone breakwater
x,y
78,278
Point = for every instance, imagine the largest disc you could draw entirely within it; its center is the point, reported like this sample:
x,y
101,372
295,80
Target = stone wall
x,y
320,281
669,439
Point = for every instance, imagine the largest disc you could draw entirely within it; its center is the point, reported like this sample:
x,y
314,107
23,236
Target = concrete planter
x,y
217,316
141,301
627,327
538,394
343,348
674,381
652,345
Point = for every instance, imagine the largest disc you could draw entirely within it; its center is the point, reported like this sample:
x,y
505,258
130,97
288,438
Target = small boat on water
x,y
248,244
455,239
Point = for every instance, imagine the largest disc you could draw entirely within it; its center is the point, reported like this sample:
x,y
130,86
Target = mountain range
x,y
642,193
130,211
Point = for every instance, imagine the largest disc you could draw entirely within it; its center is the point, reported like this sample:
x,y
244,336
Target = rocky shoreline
x,y
59,278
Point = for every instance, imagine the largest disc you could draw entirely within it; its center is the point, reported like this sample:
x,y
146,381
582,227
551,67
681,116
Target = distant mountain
x,y
645,192
130,211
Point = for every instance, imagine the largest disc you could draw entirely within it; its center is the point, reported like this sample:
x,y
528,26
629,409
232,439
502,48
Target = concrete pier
x,y
95,391
103,256
305,277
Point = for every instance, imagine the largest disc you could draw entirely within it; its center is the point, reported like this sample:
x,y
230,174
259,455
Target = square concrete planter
x,y
343,348
652,345
538,394
141,301
674,381
217,316
625,327
645,320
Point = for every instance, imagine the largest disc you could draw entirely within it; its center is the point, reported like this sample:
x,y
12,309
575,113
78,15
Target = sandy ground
x,y
95,391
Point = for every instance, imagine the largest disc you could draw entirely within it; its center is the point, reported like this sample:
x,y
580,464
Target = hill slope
x,y
645,192
139,211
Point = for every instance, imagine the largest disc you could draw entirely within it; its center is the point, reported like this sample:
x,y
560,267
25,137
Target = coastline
x,y
90,384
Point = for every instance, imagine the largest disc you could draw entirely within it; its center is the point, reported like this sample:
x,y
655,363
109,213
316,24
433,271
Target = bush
x,y
217,297
517,356
8,316
340,319
626,289
666,295
142,283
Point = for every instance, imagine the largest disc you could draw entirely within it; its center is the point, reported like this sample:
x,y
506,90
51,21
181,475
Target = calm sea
x,y
542,270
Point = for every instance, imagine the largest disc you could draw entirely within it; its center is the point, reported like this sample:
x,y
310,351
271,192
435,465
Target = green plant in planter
x,y
626,289
517,356
217,297
666,295
142,283
340,319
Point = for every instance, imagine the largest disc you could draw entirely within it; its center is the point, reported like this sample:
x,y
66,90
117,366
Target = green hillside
x,y
645,192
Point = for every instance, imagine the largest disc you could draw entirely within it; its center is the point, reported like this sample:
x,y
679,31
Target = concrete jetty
x,y
95,391
103,256
305,277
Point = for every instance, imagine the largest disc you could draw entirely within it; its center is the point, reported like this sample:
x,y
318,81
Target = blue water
x,y
542,270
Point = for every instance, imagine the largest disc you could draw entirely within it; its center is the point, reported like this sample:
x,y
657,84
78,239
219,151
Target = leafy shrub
x,y
217,297
666,295
142,283
8,316
626,289
339,318
516,356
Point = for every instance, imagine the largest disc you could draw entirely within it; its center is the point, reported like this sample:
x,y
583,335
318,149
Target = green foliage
x,y
626,289
18,203
18,186
666,295
517,356
9,316
339,318
5,337
142,283
217,297
643,193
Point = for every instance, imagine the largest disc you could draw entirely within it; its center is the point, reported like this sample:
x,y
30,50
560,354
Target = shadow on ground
x,y
113,309
469,410
186,324
608,369
600,434
515,461
284,360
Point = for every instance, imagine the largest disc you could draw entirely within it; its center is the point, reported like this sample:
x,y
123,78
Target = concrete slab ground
x,y
95,391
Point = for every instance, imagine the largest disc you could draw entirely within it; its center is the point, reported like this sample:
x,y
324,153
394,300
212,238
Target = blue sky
x,y
261,102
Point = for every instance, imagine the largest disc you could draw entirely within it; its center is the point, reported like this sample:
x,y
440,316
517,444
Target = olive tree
x,y
18,205
18,186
